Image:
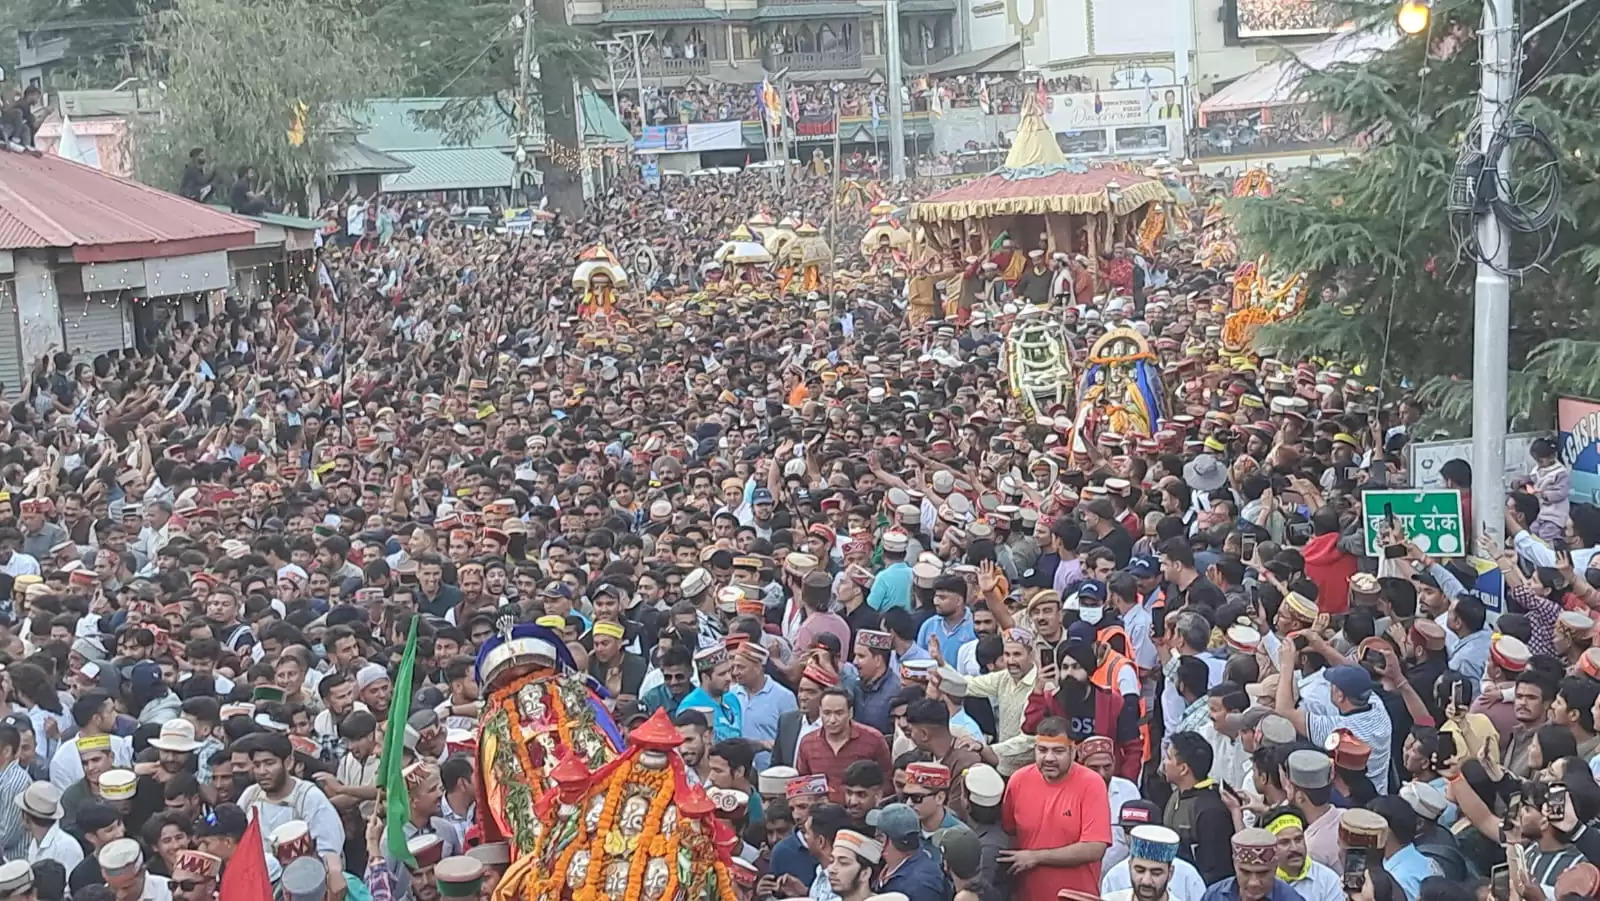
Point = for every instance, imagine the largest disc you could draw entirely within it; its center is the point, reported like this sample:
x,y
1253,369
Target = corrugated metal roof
x,y
927,6
813,11
600,123
633,16
356,158
451,169
391,125
46,201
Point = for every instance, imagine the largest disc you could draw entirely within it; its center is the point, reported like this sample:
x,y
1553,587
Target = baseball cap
x,y
761,496
1139,813
1354,681
897,822
1144,566
962,851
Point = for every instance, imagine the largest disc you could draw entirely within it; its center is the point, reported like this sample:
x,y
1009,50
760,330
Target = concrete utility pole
x,y
1491,308
895,79
522,159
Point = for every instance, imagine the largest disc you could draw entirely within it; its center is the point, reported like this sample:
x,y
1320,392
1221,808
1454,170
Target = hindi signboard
x,y
1431,519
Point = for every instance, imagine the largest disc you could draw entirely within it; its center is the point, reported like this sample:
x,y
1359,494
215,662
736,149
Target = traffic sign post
x,y
1431,520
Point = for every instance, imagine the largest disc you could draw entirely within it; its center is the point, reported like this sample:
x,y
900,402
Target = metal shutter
x,y
93,324
10,341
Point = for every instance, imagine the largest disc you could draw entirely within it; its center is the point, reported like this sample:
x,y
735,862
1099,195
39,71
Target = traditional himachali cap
x,y
304,879
1255,847
609,629
101,742
1095,747
1509,653
428,849
292,840
1428,634
1577,625
708,659
932,776
492,854
868,849
122,857
877,641
1348,751
1309,769
118,785
774,780
1243,638
1301,606
1589,663
1365,584
728,802
1428,802
815,785
1157,844
917,670
459,877
1361,828
197,863
694,582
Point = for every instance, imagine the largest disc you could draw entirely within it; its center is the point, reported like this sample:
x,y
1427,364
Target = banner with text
x,y
690,138
1579,423
1111,109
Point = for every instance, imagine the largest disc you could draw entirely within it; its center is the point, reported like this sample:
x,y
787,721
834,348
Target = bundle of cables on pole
x,y
1528,202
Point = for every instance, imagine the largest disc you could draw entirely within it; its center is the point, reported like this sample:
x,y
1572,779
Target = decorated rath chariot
x,y
588,815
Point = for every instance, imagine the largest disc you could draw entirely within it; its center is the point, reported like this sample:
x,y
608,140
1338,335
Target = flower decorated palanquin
x,y
588,817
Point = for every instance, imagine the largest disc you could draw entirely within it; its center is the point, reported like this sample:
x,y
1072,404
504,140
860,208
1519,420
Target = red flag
x,y
245,876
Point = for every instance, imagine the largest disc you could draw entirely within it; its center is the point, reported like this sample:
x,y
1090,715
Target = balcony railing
x,y
668,68
813,61
654,4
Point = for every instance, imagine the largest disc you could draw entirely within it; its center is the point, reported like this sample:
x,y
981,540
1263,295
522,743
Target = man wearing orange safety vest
x,y
1116,673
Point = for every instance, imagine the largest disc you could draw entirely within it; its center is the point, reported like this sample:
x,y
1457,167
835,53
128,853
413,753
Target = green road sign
x,y
1431,519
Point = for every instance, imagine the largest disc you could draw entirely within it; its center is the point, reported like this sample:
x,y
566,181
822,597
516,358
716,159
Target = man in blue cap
x,y
1356,711
908,868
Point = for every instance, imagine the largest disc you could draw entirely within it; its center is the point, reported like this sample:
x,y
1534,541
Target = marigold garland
x,y
724,882
608,821
656,781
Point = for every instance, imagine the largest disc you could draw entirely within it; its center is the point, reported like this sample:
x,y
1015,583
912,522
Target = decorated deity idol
x,y
1121,388
599,276
586,817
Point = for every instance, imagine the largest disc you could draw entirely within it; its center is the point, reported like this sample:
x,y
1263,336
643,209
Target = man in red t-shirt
x,y
1059,814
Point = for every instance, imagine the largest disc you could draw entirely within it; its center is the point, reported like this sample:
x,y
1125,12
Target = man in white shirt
x,y
1160,874
123,866
40,804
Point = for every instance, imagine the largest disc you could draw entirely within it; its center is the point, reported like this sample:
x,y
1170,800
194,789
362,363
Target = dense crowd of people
x,y
711,100
937,650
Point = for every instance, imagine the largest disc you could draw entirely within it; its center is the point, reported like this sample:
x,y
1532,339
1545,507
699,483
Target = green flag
x,y
390,767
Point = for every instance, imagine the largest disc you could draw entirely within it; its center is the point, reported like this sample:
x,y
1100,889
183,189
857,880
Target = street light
x,y
1413,16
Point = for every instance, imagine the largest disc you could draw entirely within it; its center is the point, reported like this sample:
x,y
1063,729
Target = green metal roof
x,y
636,16
600,123
451,169
813,11
356,158
391,125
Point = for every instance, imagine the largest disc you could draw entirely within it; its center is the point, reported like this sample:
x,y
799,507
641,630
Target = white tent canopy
x,y
1278,83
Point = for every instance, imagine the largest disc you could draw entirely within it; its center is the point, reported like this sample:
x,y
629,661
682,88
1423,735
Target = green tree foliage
x,y
234,74
1374,230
